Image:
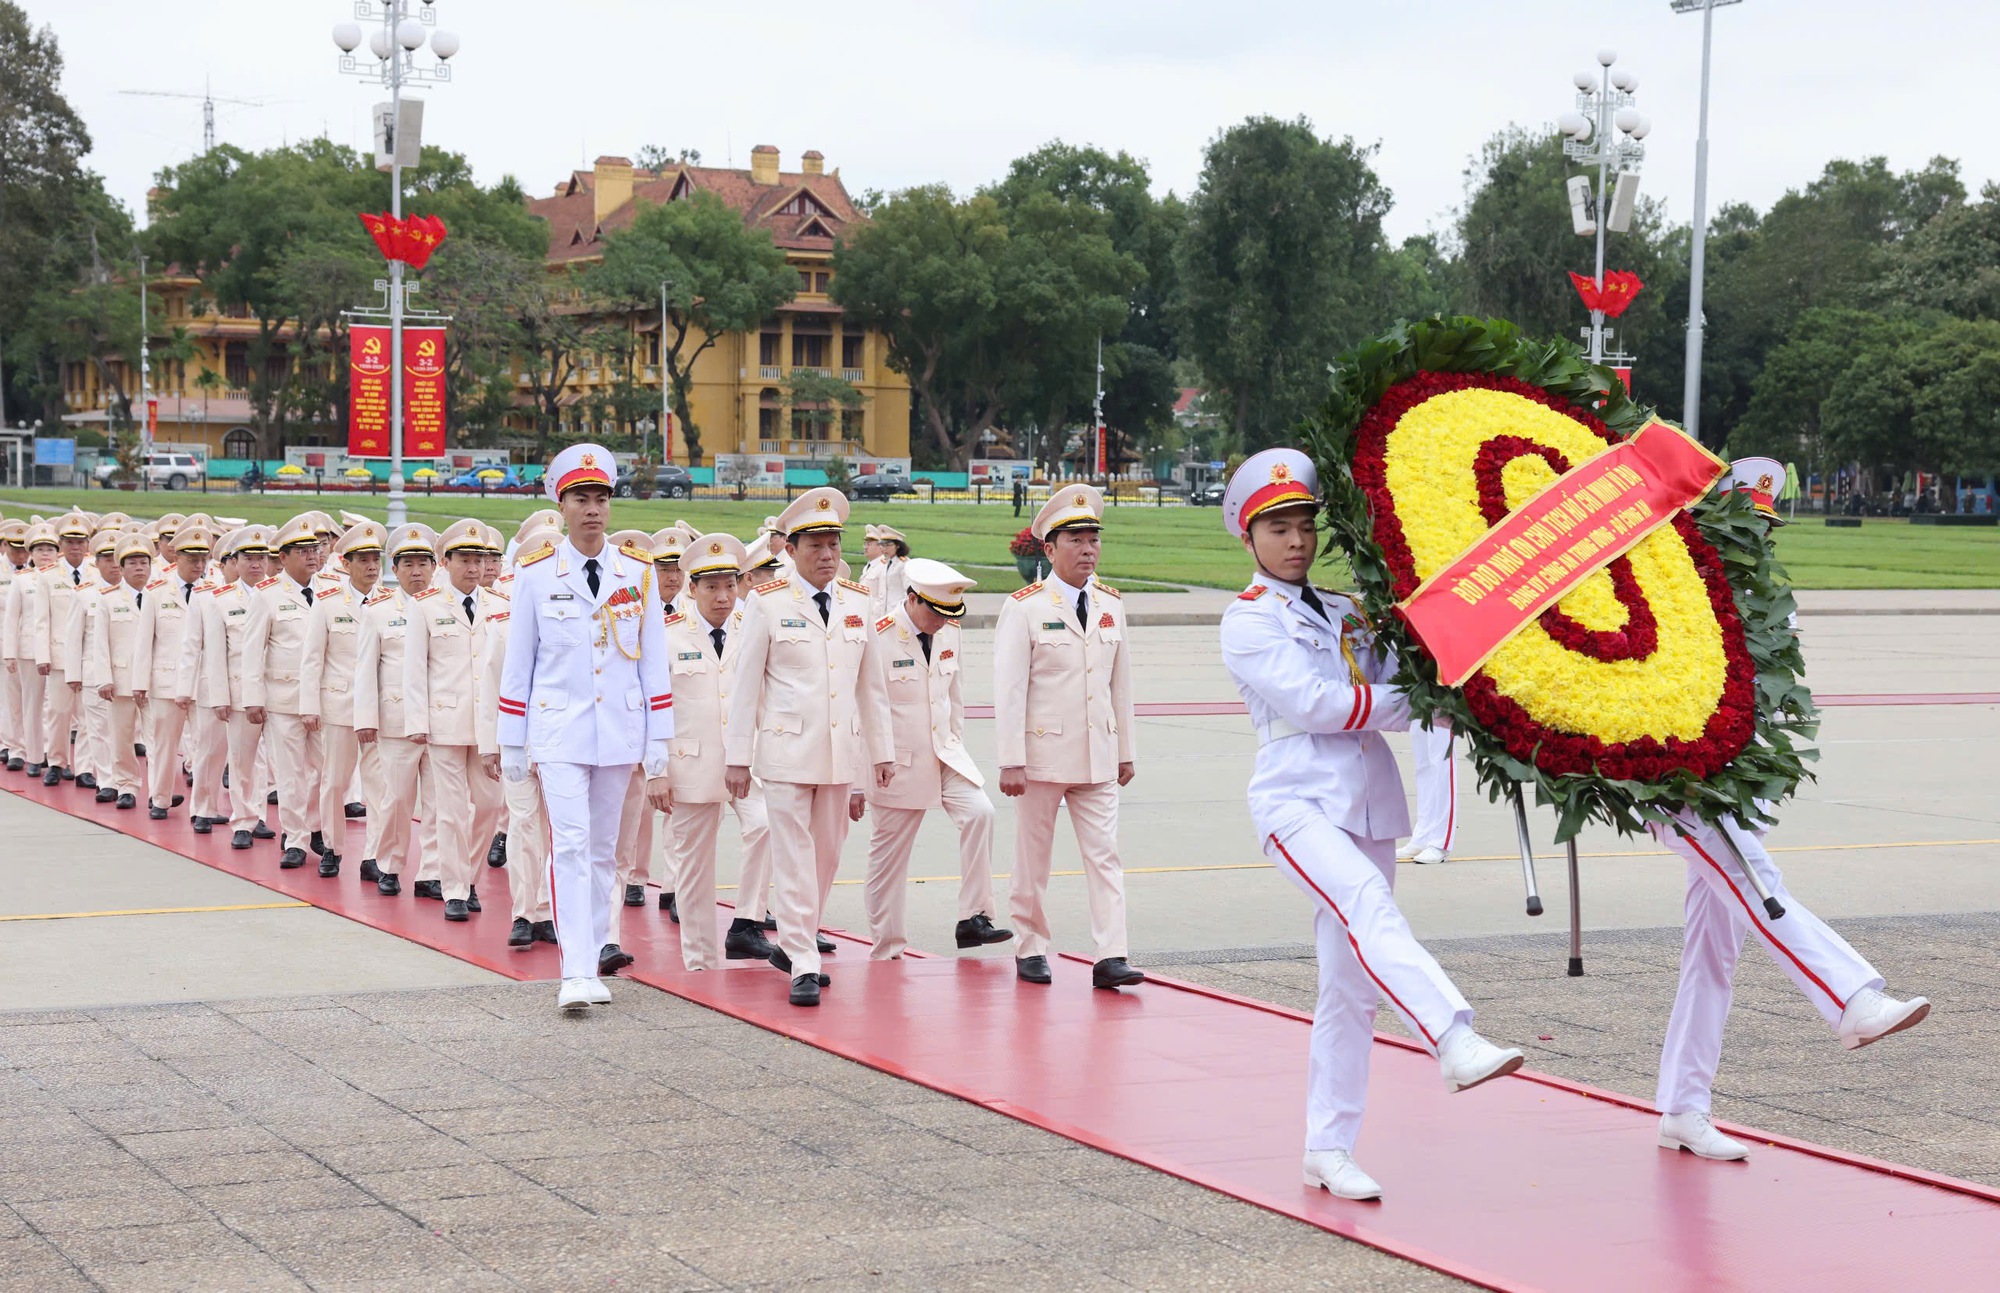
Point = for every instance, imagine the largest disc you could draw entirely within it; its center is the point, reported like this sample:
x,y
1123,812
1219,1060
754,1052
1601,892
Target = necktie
x,y
307,590
924,641
466,602
1311,598
715,636
75,576
138,601
187,592
1083,611
590,574
825,606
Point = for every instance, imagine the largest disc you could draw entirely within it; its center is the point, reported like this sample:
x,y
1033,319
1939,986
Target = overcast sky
x,y
897,92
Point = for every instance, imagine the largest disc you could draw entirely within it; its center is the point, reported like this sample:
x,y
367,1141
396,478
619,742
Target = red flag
x,y
1620,286
424,234
1586,287
380,228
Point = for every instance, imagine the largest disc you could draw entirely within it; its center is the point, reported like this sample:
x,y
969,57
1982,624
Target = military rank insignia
x,y
1108,622
853,621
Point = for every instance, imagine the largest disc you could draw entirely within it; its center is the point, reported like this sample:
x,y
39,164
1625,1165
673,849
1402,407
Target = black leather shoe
x,y
53,777
428,889
272,798
105,795
635,895
354,810
454,909
612,959
745,942
545,931
317,843
671,907
783,962
496,852
85,781
827,947
225,778
388,884
292,859
262,832
522,934
15,764
35,769
370,873
155,812
178,801
769,924
805,991
1114,972
128,801
202,825
139,750
240,840
472,901
979,931
68,774
1033,969
329,865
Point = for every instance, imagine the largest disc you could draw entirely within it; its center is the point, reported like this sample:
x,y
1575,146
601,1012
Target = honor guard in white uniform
x,y
14,571
706,640
108,670
808,721
1437,794
45,626
327,667
1062,690
391,764
635,818
524,844
886,574
273,695
1720,911
586,692
915,652
208,742
1328,806
41,543
542,518
93,737
225,635
169,612
446,635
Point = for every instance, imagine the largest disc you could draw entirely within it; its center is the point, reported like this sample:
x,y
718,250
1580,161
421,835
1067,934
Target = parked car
x,y
669,481
161,471
879,487
1209,495
473,477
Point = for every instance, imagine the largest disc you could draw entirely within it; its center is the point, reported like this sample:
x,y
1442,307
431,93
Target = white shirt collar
x,y
1065,591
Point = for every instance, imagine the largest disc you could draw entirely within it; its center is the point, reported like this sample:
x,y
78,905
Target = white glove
x,y
656,758
514,762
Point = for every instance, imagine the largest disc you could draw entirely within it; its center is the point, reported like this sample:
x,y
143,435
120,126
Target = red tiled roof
x,y
574,229
1186,401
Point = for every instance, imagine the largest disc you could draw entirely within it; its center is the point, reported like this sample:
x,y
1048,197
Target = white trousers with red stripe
x,y
1437,788
1366,952
583,802
1721,909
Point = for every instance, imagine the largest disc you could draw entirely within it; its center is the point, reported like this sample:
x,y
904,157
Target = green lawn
x,y
1144,547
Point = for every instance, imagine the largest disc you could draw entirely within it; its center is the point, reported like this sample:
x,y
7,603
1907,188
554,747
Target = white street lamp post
x,y
394,46
666,390
1697,254
1603,100
145,377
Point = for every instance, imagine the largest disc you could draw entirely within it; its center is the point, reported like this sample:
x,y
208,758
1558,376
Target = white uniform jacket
x,y
225,627
1319,731
441,692
194,640
805,712
703,687
112,641
587,678
926,710
332,648
378,663
274,645
163,626
1062,694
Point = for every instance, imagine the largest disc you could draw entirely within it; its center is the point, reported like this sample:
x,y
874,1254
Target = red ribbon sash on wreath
x,y
1583,520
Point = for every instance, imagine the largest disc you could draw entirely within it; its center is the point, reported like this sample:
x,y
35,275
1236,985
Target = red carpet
x,y
1527,1183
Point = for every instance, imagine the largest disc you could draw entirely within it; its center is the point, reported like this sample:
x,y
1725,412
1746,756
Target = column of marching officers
x,y
206,669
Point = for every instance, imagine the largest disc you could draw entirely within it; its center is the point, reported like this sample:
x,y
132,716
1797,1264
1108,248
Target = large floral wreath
x,y
1667,681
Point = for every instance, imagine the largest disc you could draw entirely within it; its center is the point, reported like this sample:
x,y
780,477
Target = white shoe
x,y
576,994
1872,1014
597,993
1429,857
1334,1170
1406,851
1698,1136
1465,1059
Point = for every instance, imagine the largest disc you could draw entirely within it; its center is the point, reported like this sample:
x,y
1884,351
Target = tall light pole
x,y
666,391
145,376
1097,462
395,44
1697,254
1604,100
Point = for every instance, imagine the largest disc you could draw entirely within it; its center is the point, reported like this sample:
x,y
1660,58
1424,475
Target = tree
x,y
1789,400
1921,398
823,400
721,277
1281,267
656,157
1952,261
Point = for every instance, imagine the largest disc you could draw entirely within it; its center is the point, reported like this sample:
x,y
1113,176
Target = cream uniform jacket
x,y
113,641
703,688
492,660
441,694
1062,695
1319,725
188,678
225,627
378,663
12,583
45,614
81,626
805,712
327,661
274,645
926,710
163,624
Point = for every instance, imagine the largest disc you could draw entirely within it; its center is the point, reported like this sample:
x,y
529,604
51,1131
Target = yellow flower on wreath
x,y
1429,458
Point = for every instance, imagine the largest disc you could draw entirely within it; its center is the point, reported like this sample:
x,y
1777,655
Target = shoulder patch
x,y
268,583
157,583
883,624
771,587
496,617
1252,593
428,592
1029,591
636,553
849,583
675,618
1107,588
220,589
539,554
379,597
505,597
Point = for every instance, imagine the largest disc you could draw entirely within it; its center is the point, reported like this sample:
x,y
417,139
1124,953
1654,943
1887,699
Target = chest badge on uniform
x,y
903,664
1107,622
946,654
853,621
1054,624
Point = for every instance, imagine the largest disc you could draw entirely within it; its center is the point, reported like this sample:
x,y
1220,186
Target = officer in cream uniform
x,y
392,765
326,677
108,669
1328,806
916,653
586,692
273,656
14,570
1062,689
164,620
225,633
45,627
524,844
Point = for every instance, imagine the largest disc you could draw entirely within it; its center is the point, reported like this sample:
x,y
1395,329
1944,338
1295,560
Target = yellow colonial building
x,y
736,396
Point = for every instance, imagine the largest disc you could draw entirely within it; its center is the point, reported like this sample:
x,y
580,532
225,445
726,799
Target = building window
x,y
236,364
821,281
806,426
850,349
805,280
240,443
852,425
769,345
808,350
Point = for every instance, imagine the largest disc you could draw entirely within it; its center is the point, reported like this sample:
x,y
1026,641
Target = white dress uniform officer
x,y
208,741
164,620
916,653
1437,794
887,576
525,843
667,544
1328,805
1062,692
274,664
225,634
1840,983
108,670
807,720
50,599
93,712
392,765
326,678
14,570
586,692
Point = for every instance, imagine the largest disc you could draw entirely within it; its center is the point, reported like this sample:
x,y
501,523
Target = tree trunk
x,y
1242,417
